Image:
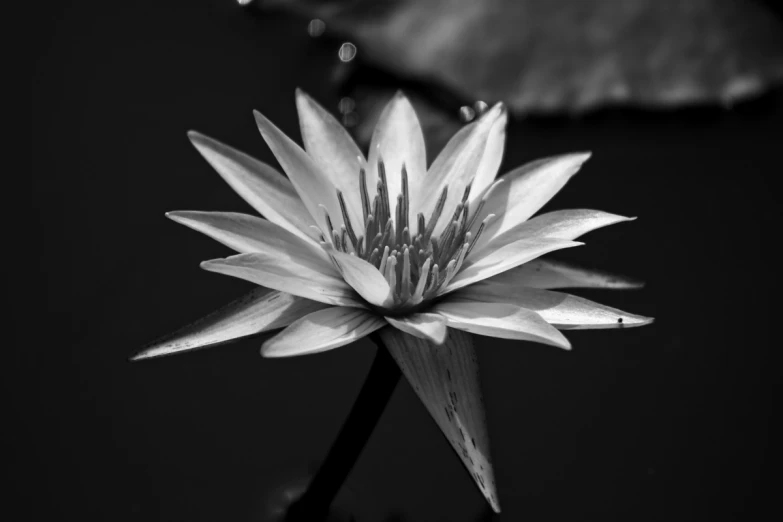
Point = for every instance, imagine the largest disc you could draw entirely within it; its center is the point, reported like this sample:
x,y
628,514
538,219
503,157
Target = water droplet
x,y
480,107
350,119
466,114
347,52
346,105
316,27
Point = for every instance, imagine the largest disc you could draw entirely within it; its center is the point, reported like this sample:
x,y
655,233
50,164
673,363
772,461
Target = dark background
x,y
665,422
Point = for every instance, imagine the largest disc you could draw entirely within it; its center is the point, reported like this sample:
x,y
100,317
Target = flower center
x,y
415,264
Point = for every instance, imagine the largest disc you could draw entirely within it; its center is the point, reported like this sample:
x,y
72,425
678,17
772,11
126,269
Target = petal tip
x,y
582,157
140,356
638,320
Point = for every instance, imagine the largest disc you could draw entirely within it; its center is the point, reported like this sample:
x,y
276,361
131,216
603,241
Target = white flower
x,y
353,245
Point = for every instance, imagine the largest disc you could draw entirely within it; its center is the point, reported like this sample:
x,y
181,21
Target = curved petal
x,y
247,234
363,277
525,190
398,139
500,320
321,331
313,187
549,274
506,258
446,379
430,327
455,167
287,274
563,311
561,224
334,151
491,158
265,189
259,311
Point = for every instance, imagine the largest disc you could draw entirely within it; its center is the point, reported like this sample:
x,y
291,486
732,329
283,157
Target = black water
x,y
667,422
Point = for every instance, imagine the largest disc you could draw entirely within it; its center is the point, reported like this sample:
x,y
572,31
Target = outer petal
x,y
399,140
363,277
248,234
546,273
310,183
446,379
265,189
456,167
334,151
430,327
322,330
561,224
563,311
287,274
500,320
526,189
259,311
506,258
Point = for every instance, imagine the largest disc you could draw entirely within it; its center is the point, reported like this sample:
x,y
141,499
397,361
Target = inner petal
x,y
408,253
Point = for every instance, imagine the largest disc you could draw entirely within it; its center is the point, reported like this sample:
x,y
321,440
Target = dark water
x,y
667,422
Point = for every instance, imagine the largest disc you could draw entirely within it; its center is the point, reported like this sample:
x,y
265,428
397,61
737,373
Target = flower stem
x,y
376,391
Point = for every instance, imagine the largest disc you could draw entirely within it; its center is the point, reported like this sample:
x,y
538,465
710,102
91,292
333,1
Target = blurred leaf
x,y
544,56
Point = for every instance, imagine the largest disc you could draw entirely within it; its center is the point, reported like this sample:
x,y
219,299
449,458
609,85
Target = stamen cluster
x,y
415,264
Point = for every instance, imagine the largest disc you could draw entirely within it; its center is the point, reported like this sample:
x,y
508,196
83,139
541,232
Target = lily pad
x,y
544,56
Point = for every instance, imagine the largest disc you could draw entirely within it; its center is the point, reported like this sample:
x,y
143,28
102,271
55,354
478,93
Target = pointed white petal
x,y
265,189
259,311
322,330
525,190
398,139
334,151
505,258
247,234
446,379
456,167
313,187
546,273
363,277
561,224
430,327
287,274
491,158
563,311
500,320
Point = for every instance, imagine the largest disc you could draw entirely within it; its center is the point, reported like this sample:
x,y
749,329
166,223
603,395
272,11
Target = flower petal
x,y
549,274
446,379
430,327
334,151
247,234
310,183
322,330
398,139
265,189
506,258
525,190
363,277
491,158
455,166
561,224
259,311
287,274
500,320
563,311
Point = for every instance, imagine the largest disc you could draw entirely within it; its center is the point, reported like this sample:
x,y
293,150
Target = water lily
x,y
427,256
